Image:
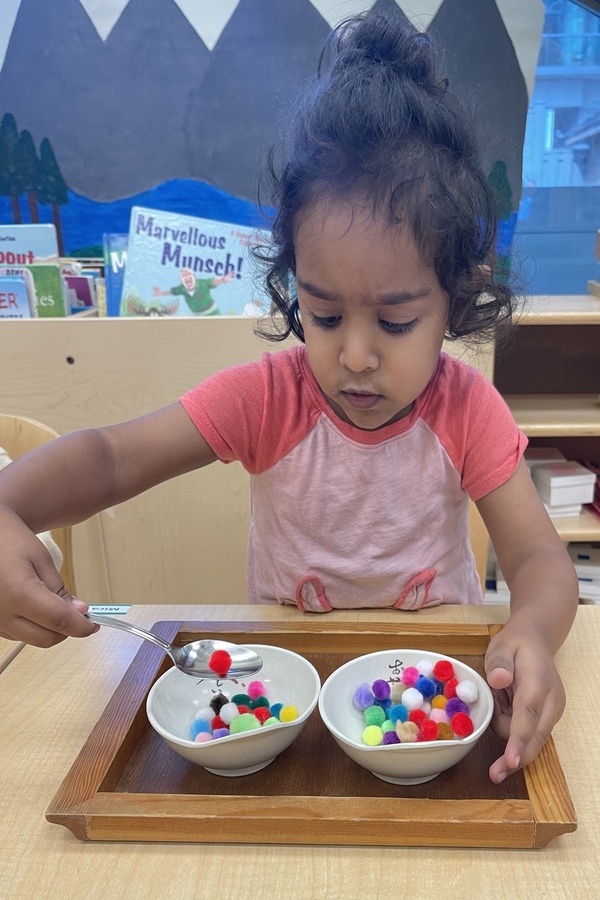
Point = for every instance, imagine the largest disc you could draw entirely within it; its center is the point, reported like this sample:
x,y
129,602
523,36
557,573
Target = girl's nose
x,y
357,353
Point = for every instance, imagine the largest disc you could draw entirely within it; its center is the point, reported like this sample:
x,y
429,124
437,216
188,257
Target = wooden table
x,y
51,699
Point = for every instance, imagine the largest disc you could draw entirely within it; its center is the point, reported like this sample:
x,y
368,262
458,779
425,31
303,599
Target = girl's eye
x,y
398,327
325,321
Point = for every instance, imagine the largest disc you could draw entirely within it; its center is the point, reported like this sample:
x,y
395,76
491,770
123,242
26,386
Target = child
x,y
365,444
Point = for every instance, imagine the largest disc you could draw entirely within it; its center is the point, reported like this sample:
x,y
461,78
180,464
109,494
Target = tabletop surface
x,y
51,699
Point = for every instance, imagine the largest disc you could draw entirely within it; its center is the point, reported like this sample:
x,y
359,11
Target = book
x,y
35,248
180,265
14,298
115,261
28,245
82,291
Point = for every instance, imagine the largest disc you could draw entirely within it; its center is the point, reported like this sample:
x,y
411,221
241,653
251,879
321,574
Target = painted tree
x,y
51,188
27,165
9,177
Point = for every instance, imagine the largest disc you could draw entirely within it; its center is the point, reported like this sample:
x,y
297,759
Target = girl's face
x,y
374,316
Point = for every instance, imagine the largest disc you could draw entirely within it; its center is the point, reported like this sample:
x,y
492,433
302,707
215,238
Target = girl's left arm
x,y
529,695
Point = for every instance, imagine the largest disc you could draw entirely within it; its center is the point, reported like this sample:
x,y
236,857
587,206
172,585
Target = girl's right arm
x,y
69,480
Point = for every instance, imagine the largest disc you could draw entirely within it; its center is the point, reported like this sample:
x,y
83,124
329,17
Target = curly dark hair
x,y
378,123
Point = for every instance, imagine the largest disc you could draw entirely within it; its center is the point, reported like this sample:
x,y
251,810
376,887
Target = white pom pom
x,y
467,691
412,698
426,707
228,713
425,668
206,712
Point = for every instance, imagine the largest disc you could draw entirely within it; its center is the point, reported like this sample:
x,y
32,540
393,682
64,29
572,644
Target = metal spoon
x,y
193,658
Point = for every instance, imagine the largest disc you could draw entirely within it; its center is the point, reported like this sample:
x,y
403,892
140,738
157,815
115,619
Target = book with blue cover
x,y
181,265
115,260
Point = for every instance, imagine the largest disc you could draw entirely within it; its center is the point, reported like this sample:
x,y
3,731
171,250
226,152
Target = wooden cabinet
x,y
549,375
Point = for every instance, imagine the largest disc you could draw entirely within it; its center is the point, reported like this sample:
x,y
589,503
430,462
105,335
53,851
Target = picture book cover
x,y
181,265
115,259
26,245
46,288
14,298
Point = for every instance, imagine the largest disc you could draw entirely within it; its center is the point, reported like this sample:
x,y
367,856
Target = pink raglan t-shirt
x,y
344,518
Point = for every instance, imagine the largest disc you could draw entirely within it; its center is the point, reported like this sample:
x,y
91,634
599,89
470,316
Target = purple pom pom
x,y
455,705
381,689
363,697
390,737
220,732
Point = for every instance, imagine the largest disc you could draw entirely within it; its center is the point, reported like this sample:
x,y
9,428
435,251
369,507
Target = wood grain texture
x,y
127,785
51,700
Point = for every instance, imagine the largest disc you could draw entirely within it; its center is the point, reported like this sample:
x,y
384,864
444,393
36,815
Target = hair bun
x,y
376,40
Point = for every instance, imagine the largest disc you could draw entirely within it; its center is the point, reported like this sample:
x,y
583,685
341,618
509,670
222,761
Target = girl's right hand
x,y
35,606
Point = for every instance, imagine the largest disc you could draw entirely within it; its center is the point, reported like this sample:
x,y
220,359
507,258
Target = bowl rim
x,y
231,738
421,746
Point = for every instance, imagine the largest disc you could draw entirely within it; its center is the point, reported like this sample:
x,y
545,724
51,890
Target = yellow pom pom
x,y
438,702
372,735
288,714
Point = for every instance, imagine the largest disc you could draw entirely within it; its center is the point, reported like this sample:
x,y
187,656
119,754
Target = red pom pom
x,y
220,662
417,716
450,688
244,709
428,731
218,722
262,713
443,670
462,725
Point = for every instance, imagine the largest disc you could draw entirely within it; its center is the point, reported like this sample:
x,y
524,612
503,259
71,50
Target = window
x,y
560,206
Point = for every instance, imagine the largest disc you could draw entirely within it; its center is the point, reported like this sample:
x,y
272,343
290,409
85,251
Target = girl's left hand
x,y
529,697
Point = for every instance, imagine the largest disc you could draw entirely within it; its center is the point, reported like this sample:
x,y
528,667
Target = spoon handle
x,y
132,629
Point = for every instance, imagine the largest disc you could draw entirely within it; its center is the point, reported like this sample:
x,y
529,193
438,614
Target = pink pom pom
x,y
410,675
256,689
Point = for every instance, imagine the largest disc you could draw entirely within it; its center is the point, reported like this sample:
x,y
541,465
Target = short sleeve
x,y
253,413
494,444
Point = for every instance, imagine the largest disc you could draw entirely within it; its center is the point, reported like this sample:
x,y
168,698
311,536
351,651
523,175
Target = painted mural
x,y
172,104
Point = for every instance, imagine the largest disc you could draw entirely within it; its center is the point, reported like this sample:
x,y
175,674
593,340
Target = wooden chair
x,y
19,435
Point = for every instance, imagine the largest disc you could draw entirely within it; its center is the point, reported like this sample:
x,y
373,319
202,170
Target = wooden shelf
x,y
585,527
556,415
561,310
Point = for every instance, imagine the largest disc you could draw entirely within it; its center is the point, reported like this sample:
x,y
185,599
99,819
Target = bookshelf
x,y
550,378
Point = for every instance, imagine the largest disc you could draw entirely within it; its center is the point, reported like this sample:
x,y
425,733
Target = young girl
x,y
366,443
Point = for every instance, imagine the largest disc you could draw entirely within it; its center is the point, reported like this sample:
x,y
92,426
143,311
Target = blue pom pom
x,y
426,687
384,704
199,726
439,686
397,713
275,709
381,689
363,697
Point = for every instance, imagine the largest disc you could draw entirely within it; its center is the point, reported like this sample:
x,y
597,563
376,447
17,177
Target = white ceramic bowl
x,y
396,763
175,698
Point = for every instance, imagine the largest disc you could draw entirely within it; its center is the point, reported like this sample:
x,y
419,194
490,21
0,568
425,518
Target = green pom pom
x,y
374,715
244,722
388,726
241,700
272,721
260,701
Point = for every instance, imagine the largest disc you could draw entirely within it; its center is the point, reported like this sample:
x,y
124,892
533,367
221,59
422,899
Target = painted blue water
x,y
84,221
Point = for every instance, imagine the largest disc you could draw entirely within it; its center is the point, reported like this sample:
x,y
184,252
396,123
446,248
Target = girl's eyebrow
x,y
394,299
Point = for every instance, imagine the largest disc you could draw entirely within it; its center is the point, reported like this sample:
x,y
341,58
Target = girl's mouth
x,y
361,401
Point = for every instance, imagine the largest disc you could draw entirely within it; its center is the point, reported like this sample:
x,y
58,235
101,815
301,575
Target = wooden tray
x,y
128,785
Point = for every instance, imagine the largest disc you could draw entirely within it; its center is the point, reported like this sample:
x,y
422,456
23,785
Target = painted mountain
x,y
152,116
